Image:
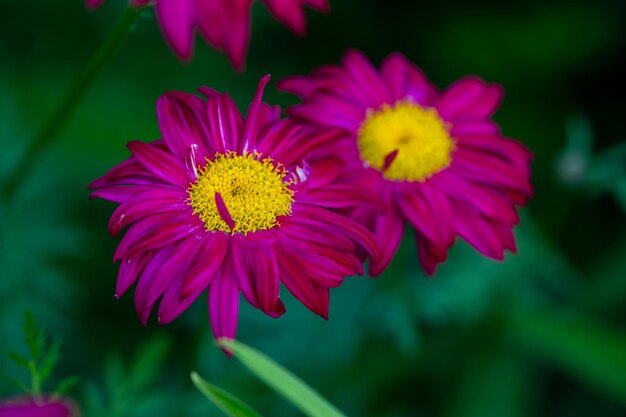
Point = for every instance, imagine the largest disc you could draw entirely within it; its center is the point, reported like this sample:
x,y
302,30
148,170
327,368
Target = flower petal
x,y
469,98
177,19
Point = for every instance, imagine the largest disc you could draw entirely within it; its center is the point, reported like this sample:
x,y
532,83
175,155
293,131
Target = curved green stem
x,y
72,98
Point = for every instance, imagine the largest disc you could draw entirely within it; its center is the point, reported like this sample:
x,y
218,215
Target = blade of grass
x,y
282,381
228,403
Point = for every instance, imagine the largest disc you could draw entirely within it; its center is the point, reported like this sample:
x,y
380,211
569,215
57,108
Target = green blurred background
x,y
541,334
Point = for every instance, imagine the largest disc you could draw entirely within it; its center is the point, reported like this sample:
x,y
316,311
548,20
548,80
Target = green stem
x,y
72,99
35,379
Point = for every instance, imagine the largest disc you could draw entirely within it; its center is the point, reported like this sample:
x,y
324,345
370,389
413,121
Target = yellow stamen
x,y
252,189
406,142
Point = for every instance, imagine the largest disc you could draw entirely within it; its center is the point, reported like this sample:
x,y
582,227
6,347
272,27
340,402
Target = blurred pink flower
x,y
224,23
233,204
435,158
42,407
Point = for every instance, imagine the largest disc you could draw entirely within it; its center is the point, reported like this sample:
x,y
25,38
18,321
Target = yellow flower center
x,y
241,193
406,142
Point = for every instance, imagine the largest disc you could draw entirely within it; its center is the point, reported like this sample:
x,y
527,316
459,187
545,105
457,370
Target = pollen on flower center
x,y
241,193
405,142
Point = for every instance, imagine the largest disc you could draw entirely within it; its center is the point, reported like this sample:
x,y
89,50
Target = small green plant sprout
x,y
41,360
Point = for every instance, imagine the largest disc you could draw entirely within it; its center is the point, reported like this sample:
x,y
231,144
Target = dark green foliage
x,y
540,334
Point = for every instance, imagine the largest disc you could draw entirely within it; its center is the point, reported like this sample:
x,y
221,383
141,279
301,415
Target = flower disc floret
x,y
406,142
252,189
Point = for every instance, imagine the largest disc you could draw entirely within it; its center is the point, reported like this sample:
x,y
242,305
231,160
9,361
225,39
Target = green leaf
x,y
35,338
50,360
586,348
20,360
20,385
229,404
65,385
282,381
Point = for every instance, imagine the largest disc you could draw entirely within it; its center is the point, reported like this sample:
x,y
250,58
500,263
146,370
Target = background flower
x,y
224,23
436,159
233,205
42,407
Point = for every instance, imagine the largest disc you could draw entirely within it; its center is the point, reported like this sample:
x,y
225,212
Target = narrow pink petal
x,y
177,19
126,172
305,232
309,144
160,163
93,4
367,77
137,231
388,229
474,127
506,149
254,120
404,79
259,279
174,303
428,258
330,111
224,123
130,268
147,275
469,98
210,257
302,86
296,280
181,120
224,304
343,196
489,169
278,138
121,193
481,233
223,211
156,231
289,12
318,217
148,203
226,25
487,201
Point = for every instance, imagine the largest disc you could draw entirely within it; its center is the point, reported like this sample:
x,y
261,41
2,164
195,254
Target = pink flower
x,y
436,158
224,23
43,407
233,205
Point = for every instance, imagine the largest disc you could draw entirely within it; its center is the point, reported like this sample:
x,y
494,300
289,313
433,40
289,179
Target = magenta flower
x,y
225,24
436,159
42,407
233,205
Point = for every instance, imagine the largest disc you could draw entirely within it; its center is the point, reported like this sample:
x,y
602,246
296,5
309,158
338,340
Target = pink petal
x,y
226,25
130,268
94,4
181,120
148,203
469,98
296,280
388,229
254,119
404,79
367,77
224,304
224,123
177,19
211,256
160,163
